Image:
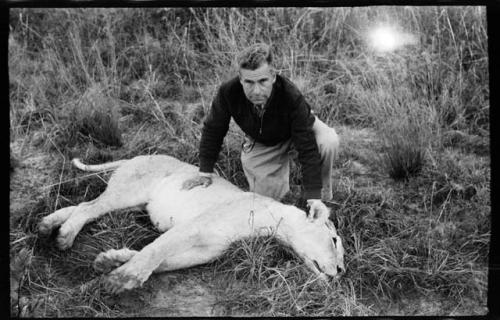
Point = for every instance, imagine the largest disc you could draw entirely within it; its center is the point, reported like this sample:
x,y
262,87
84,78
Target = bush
x,y
402,158
95,117
405,145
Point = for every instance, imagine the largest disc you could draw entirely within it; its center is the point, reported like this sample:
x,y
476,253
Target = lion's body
x,y
198,224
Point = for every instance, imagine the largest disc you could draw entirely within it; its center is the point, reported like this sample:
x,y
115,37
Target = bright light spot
x,y
385,39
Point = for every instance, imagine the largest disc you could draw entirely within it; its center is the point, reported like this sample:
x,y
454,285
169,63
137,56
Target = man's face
x,y
258,84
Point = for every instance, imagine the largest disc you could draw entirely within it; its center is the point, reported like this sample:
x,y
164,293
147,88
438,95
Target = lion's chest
x,y
170,205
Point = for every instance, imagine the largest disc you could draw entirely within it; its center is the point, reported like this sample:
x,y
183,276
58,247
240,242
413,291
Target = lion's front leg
x,y
178,248
111,259
137,270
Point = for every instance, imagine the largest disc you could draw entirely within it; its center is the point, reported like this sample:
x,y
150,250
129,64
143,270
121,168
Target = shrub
x,y
404,149
95,117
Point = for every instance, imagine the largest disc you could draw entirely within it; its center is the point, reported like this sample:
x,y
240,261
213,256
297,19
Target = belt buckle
x,y
248,144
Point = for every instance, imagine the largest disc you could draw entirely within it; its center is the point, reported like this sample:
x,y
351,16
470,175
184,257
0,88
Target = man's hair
x,y
254,56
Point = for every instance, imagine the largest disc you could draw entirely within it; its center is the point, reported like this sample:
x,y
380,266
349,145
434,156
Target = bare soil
x,y
170,294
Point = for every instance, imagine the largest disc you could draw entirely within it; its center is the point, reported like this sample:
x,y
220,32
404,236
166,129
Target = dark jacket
x,y
287,115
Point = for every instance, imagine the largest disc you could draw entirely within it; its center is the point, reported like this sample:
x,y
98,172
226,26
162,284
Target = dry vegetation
x,y
412,184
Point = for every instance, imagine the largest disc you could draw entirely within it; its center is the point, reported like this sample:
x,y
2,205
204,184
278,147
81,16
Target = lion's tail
x,y
97,167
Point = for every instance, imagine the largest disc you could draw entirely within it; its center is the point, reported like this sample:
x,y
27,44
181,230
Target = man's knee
x,y
328,142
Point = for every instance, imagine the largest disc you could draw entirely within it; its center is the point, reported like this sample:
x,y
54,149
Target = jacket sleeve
x,y
304,140
215,127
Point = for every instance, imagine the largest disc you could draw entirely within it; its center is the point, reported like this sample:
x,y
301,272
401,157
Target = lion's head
x,y
319,245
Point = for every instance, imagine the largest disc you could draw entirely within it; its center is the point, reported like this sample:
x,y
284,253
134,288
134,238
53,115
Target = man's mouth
x,y
257,99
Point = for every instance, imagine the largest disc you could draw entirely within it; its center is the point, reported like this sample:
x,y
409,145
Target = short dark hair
x,y
254,56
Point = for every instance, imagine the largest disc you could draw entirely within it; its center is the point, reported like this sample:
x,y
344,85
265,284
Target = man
x,y
274,115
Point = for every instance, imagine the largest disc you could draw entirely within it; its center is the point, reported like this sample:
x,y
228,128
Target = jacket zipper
x,y
261,118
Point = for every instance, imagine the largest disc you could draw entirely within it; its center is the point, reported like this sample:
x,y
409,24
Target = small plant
x,y
403,158
95,118
101,127
407,127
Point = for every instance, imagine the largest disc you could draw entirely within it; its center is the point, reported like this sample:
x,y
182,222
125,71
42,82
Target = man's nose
x,y
256,89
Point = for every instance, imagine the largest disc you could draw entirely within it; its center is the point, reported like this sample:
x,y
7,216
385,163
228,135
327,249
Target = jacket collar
x,y
276,86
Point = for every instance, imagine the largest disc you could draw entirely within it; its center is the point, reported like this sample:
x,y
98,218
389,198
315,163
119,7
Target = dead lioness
x,y
198,224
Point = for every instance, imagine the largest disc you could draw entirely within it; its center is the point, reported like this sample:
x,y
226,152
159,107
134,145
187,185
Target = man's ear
x,y
273,73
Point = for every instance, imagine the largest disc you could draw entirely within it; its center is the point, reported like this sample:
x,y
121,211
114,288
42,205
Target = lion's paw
x,y
109,260
45,226
66,237
55,220
119,281
103,264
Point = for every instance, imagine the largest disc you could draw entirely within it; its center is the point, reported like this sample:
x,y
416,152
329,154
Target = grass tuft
x,y
95,119
402,158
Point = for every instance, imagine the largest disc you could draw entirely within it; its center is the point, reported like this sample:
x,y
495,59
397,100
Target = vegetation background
x,y
411,185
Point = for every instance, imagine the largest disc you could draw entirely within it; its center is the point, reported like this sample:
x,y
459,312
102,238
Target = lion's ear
x,y
322,217
318,211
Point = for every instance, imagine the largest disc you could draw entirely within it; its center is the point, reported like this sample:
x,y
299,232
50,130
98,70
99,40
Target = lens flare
x,y
386,39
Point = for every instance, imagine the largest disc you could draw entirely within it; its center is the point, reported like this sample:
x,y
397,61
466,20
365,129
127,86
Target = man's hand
x,y
317,210
203,179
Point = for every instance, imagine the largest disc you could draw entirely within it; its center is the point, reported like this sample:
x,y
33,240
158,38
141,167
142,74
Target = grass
x,y
95,117
411,185
276,283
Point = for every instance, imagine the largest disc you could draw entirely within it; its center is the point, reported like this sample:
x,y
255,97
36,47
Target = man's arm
x,y
215,127
303,138
214,130
305,142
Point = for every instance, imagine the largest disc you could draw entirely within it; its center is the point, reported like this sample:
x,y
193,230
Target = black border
x,y
493,16
236,3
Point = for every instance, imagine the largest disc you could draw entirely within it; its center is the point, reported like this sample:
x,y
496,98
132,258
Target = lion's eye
x,y
317,265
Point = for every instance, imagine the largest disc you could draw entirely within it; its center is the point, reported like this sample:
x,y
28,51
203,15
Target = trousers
x,y
267,168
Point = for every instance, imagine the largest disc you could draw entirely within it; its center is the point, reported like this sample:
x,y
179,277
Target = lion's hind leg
x,y
89,211
55,220
121,193
111,259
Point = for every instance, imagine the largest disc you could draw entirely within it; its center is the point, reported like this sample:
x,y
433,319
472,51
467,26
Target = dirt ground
x,y
172,295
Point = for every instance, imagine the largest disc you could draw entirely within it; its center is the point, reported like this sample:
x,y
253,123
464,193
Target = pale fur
x,y
197,224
